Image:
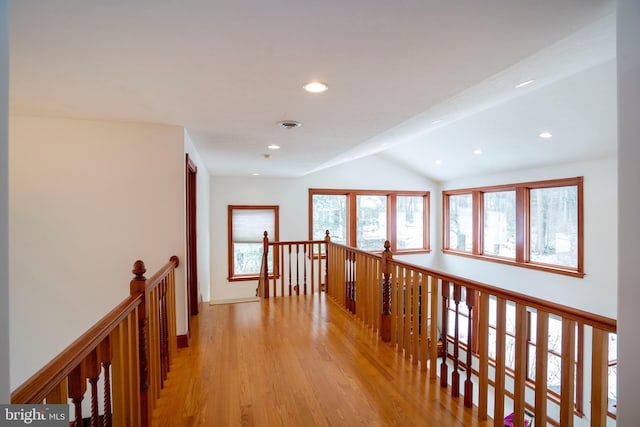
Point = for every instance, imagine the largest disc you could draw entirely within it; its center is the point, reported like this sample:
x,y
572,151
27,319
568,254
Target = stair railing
x,y
130,350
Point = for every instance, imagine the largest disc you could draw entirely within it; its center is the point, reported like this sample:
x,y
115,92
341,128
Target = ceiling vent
x,y
289,124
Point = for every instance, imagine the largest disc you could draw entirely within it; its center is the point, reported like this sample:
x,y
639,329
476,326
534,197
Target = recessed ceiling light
x,y
545,135
523,84
315,87
435,122
255,174
477,152
438,162
289,124
273,147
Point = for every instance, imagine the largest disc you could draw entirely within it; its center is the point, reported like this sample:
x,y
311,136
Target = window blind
x,y
249,225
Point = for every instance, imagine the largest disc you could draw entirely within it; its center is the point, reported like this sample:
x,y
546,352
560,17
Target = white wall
x,y
292,195
628,34
596,292
4,204
87,198
202,220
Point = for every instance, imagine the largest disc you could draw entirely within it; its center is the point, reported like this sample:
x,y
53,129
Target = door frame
x,y
191,264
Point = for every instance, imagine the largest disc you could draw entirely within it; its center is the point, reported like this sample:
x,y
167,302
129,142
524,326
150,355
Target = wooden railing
x,y
292,268
413,307
130,350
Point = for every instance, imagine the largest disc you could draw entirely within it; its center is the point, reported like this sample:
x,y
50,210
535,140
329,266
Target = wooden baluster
x,y
483,356
361,288
282,260
406,289
77,388
455,375
105,355
385,318
501,330
415,318
347,302
433,332
415,313
395,307
354,294
164,337
265,249
567,376
542,348
297,269
171,310
327,239
137,286
304,265
424,315
92,371
350,276
357,282
340,275
599,377
352,281
444,369
312,266
372,282
520,364
290,284
377,294
468,385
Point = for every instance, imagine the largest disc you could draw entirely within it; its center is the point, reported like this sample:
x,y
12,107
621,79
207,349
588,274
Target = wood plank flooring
x,y
298,361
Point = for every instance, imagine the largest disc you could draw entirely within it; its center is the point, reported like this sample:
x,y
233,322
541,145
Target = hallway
x,y
297,361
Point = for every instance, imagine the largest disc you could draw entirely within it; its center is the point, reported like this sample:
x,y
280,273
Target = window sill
x,y
411,251
566,271
247,278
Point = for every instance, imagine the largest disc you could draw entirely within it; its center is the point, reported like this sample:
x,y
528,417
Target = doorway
x,y
192,257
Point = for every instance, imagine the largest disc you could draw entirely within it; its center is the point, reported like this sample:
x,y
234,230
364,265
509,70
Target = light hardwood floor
x,y
297,361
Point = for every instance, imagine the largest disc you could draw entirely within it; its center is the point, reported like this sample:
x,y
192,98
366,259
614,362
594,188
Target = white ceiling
x,y
229,70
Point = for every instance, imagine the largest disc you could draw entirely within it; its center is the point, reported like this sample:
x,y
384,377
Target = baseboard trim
x,y
234,301
184,340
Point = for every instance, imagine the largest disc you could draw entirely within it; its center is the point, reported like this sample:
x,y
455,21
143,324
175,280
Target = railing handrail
x,y
39,385
294,242
154,280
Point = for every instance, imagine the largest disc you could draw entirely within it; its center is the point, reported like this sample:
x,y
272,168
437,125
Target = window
x,y
366,218
410,222
500,224
535,225
460,222
554,226
329,213
371,222
247,225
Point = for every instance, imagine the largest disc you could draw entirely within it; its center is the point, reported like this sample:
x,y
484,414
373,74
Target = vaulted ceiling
x,y
415,81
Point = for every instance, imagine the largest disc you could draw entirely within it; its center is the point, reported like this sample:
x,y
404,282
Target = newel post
x,y
138,287
327,239
385,320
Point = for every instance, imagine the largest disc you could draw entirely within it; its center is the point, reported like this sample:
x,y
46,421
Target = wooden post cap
x,y
139,269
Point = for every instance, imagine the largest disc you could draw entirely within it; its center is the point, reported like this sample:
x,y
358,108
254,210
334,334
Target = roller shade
x,y
249,225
